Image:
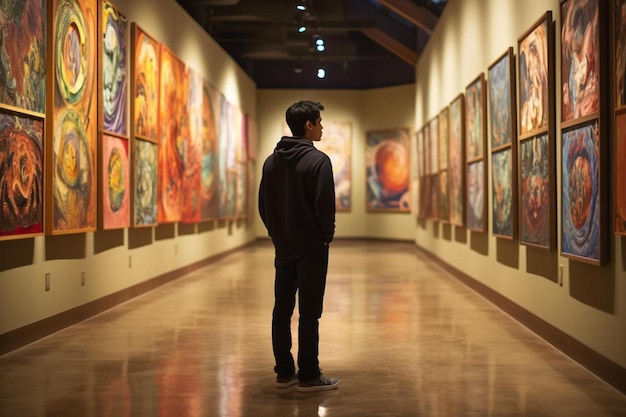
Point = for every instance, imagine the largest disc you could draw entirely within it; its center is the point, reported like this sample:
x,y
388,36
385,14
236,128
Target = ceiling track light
x,y
301,6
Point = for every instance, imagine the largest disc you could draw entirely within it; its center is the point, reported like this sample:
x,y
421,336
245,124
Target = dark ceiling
x,y
369,43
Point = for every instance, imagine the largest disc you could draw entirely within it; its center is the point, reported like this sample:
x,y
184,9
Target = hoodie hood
x,y
290,150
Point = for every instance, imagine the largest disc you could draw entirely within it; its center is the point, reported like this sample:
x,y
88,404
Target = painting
x,y
433,145
534,66
114,69
145,184
536,185
502,193
475,117
227,161
476,196
580,59
620,174
387,165
420,172
581,194
337,144
21,175
241,143
174,133
71,159
115,174
211,106
444,145
504,156
619,34
192,149
145,87
502,100
456,175
24,48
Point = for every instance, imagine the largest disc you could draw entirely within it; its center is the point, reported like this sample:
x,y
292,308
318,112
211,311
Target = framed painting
x,y
503,152
192,155
174,131
476,196
113,76
433,129
420,173
145,85
71,160
24,51
144,207
426,202
387,165
535,77
241,143
620,173
619,40
337,144
456,175
503,193
444,186
581,62
581,194
21,175
536,192
115,174
227,161
475,146
211,107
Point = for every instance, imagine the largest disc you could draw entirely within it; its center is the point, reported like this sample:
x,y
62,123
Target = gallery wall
x,y
86,265
584,298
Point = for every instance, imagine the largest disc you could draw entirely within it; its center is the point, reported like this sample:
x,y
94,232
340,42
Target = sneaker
x,y
320,384
286,382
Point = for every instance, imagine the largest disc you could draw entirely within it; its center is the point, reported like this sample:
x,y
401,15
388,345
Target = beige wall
x,y
590,306
115,260
366,110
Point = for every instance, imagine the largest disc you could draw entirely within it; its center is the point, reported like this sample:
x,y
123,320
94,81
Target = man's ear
x,y
308,125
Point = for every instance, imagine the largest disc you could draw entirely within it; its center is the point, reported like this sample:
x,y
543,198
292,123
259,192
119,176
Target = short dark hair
x,y
299,113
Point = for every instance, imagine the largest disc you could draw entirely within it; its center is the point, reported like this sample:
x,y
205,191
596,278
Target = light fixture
x,y
321,73
301,6
320,45
302,29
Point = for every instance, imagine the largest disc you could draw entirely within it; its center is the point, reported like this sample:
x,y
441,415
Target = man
x,y
297,206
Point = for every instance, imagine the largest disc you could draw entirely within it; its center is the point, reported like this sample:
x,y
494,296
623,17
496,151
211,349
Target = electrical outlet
x,y
82,278
561,275
47,281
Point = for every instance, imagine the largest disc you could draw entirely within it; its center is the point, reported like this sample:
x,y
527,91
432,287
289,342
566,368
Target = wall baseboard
x,y
23,336
604,368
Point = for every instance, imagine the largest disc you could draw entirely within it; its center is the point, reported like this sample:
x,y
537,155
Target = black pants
x,y
302,271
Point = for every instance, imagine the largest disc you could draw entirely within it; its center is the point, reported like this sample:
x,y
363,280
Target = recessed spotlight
x,y
320,47
321,73
302,29
301,7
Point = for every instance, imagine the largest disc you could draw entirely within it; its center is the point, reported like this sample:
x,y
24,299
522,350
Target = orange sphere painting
x,y
393,167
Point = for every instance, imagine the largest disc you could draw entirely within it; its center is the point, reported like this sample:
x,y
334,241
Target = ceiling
x,y
369,43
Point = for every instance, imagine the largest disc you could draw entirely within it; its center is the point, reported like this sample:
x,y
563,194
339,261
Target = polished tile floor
x,y
404,338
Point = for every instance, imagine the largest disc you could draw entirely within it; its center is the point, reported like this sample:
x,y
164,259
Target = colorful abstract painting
x,y
502,193
474,119
535,186
433,145
114,70
336,142
227,161
533,73
388,170
115,182
457,161
192,155
23,40
145,184
73,152
241,142
21,176
580,59
580,193
145,91
211,107
174,134
444,151
501,101
476,196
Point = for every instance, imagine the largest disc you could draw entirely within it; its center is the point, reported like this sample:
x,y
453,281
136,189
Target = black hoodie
x,y
297,195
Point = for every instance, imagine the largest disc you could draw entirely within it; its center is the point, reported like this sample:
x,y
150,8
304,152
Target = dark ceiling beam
x,y
419,16
392,45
